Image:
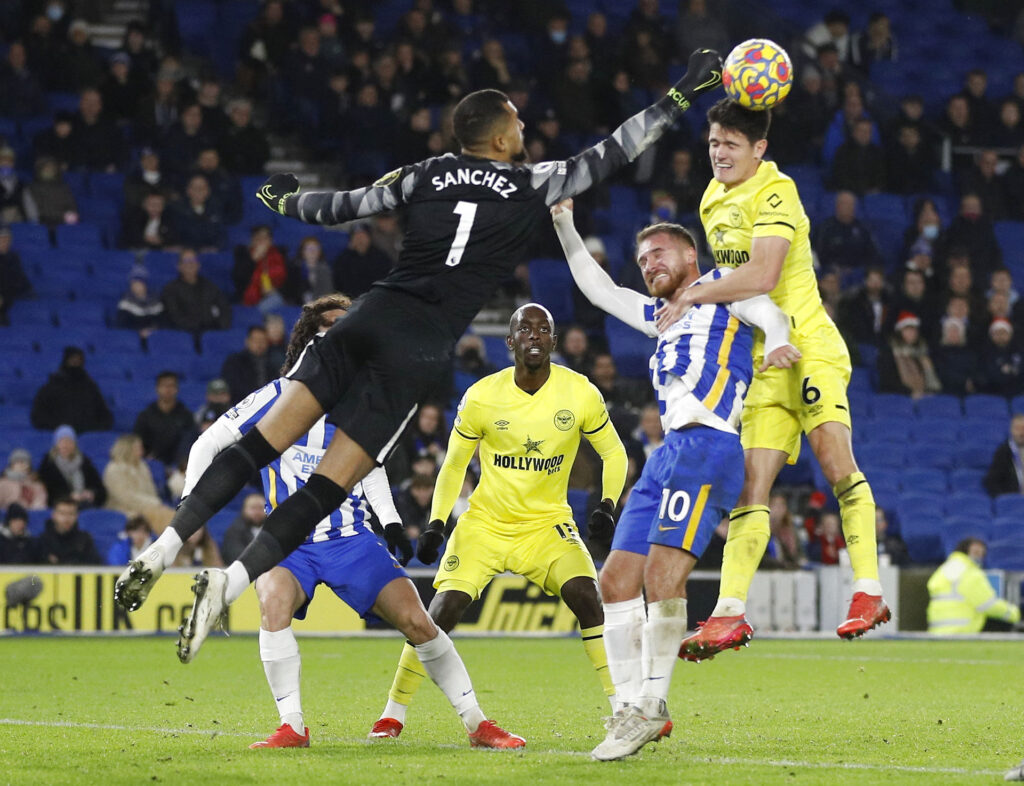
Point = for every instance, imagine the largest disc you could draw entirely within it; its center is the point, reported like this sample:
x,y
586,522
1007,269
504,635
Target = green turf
x,y
868,712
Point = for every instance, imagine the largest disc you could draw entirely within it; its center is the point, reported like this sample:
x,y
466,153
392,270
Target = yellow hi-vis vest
x,y
961,598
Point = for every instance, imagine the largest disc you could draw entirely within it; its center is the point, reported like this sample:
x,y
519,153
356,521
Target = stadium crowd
x,y
126,199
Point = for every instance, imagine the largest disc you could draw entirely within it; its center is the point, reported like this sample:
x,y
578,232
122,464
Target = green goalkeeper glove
x,y
277,189
703,73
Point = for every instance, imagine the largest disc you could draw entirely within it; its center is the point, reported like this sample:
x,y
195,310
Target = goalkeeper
x,y
527,421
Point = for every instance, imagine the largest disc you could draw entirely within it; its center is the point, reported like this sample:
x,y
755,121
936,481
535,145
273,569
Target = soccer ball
x,y
757,74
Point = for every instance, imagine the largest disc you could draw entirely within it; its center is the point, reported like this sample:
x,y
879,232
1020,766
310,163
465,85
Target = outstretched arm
x,y
761,312
622,303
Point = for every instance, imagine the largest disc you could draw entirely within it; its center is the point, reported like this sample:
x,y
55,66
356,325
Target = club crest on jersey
x,y
502,425
533,445
245,402
451,563
719,236
389,178
564,420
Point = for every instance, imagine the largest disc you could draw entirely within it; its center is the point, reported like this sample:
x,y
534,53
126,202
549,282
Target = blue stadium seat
x,y
113,341
15,416
103,525
551,285
983,431
631,349
923,481
1006,553
938,455
1010,505
956,528
221,343
79,236
888,207
972,456
973,504
882,455
892,405
497,351
96,445
889,429
578,499
931,429
32,313
966,479
29,236
1006,527
1010,237
940,406
37,521
170,342
983,405
81,312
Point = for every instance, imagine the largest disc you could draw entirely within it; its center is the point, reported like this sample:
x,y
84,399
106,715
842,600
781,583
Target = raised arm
x,y
559,180
761,312
620,302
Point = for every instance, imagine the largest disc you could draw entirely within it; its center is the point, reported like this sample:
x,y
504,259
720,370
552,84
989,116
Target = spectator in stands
x,y
215,122
95,140
158,111
248,369
785,551
243,529
264,46
57,141
165,426
67,472
1001,361
956,361
428,433
360,264
200,550
471,357
491,69
982,110
624,397
1013,186
13,281
1009,131
575,97
63,542
904,363
331,49
131,542
834,29
1005,473
827,541
225,190
218,401
649,434
587,315
697,28
17,545
277,340
983,179
196,219
81,64
310,275
863,313
877,44
193,302
146,178
962,600
244,149
960,284
130,485
890,545
910,165
1001,282
999,306
859,165
183,141
840,128
16,202
260,272
574,347
911,112
304,74
925,230
149,227
842,240
71,396
413,504
972,232
121,93
831,292
52,196
958,131
19,484
21,93
137,309
680,181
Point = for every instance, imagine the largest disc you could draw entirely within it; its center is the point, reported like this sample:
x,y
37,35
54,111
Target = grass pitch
x,y
125,711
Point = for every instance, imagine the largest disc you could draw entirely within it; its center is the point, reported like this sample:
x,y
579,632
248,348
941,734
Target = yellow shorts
x,y
548,554
782,403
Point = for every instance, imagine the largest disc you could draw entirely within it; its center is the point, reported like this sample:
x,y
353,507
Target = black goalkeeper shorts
x,y
376,365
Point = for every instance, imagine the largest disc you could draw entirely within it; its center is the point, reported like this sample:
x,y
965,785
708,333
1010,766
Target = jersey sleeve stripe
x,y
594,431
775,223
465,436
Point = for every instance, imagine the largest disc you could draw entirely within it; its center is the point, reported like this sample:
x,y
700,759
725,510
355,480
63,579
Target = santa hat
x,y
907,319
1000,323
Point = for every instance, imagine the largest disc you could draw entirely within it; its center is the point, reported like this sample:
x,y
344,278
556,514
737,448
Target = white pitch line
x,y
723,760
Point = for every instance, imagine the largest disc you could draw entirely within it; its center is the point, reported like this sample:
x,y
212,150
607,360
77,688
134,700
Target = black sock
x,y
226,476
290,523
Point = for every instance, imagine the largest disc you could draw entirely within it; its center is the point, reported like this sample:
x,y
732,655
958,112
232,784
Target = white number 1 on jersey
x,y
466,212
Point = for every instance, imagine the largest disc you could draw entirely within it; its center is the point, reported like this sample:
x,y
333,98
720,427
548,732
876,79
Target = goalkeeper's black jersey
x,y
469,220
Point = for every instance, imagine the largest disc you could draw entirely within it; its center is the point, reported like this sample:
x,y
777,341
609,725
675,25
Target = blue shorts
x,y
356,568
687,487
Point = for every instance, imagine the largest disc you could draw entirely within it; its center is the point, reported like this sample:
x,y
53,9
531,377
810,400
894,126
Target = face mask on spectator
x,y
559,36
55,12
930,231
151,177
6,171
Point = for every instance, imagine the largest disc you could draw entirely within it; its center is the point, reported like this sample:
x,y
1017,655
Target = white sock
x,y
663,633
394,710
868,586
623,631
279,652
238,581
446,669
729,607
170,544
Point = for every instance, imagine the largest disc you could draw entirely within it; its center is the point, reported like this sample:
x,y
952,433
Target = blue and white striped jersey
x,y
285,475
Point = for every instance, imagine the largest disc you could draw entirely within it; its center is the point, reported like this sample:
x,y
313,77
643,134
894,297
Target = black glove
x,y
430,541
602,524
398,542
278,188
703,73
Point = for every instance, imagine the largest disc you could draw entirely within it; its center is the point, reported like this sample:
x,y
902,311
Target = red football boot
x,y
714,635
284,737
490,735
866,612
386,727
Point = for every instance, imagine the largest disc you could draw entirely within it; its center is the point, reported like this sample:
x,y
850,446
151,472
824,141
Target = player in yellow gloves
x,y
527,422
755,223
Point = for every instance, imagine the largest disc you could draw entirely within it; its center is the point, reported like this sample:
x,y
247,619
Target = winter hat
x,y
907,319
63,431
1000,323
19,454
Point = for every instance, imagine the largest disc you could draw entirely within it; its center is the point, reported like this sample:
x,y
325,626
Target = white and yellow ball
x,y
757,74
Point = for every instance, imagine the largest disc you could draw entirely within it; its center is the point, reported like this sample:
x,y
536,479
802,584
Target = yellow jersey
x,y
766,205
527,443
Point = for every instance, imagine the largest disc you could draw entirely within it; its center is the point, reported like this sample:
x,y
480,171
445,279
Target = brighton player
x,y
700,369
468,221
342,552
527,422
756,225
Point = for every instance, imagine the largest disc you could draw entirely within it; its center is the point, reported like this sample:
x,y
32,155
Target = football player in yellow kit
x,y
755,223
527,421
